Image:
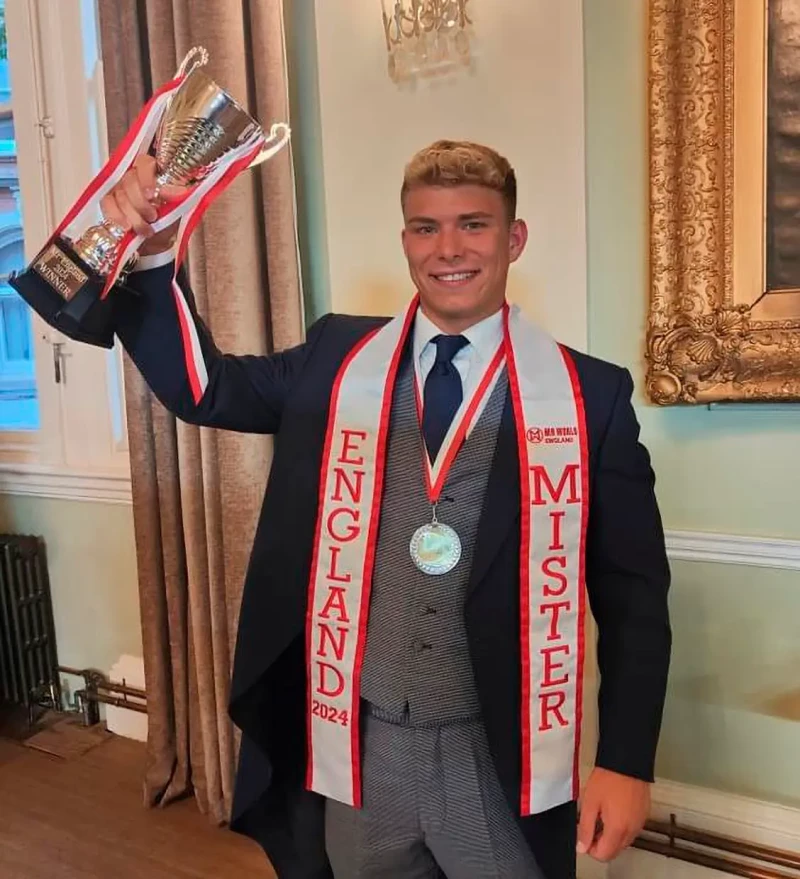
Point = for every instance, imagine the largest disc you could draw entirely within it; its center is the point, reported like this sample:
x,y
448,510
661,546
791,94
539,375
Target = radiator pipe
x,y
712,862
102,684
122,688
765,853
670,849
112,700
98,689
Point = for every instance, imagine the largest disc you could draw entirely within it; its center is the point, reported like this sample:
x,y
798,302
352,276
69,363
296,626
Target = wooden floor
x,y
83,819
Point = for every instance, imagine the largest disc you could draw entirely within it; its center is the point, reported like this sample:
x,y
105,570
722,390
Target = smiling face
x,y
459,243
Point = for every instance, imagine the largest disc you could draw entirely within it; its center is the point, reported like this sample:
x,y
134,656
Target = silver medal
x,y
435,548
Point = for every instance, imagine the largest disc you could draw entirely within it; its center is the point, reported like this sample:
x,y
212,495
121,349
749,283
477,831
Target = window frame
x,y
80,449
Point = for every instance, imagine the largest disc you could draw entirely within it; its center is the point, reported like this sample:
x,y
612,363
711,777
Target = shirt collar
x,y
484,336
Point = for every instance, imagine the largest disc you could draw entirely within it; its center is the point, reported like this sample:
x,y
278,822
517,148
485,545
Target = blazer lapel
x,y
501,503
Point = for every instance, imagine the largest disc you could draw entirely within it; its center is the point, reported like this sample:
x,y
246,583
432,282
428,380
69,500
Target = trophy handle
x,y
188,64
279,136
196,57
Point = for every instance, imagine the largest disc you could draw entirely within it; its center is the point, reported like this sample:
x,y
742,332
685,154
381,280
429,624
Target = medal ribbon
x,y
436,472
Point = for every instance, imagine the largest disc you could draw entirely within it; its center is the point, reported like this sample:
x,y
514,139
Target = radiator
x,y
28,660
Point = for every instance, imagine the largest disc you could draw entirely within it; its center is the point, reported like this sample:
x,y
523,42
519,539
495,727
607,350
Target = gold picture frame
x,y
714,333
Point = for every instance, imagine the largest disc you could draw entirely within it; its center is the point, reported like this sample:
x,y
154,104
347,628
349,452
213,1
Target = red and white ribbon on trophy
x,y
188,209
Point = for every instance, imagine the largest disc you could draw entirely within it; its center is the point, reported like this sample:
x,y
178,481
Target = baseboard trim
x,y
732,549
741,817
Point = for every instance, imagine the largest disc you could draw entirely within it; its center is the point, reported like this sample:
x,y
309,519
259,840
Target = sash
x,y
553,461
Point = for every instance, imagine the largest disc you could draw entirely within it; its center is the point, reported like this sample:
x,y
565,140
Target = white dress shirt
x,y
483,340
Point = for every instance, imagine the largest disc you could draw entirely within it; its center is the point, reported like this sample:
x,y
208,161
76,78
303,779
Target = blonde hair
x,y
459,163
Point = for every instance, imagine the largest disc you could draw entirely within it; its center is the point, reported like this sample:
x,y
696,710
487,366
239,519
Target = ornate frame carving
x,y
709,335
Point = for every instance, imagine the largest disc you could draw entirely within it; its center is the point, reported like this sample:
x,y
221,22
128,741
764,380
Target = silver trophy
x,y
202,128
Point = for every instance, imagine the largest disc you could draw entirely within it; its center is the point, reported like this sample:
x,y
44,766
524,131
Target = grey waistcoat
x,y
417,664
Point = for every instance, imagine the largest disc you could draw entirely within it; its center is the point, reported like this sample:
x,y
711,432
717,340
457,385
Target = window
x,y
19,408
62,420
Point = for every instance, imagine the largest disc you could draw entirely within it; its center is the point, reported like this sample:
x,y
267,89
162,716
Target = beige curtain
x,y
197,492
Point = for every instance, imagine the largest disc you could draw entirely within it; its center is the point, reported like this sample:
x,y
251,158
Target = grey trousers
x,y
432,806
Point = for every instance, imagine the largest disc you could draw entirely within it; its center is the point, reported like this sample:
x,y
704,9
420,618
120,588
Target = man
x,y
445,488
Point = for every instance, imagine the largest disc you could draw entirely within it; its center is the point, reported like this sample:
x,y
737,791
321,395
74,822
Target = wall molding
x,y
732,549
37,481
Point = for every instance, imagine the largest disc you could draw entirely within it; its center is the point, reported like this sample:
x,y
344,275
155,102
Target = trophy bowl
x,y
67,283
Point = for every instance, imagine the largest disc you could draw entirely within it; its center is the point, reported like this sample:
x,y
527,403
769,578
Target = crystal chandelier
x,y
426,37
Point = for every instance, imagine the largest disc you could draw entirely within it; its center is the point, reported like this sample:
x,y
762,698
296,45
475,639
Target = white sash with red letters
x,y
551,439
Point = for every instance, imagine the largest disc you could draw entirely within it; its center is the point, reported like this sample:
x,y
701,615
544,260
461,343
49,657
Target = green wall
x,y
301,40
730,469
92,563
733,470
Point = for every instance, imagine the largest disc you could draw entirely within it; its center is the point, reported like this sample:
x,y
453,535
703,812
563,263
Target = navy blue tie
x,y
443,392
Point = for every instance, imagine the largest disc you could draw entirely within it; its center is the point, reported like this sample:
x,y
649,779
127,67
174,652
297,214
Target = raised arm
x,y
161,331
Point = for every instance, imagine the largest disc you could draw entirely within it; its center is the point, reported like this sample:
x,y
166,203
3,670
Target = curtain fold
x,y
197,492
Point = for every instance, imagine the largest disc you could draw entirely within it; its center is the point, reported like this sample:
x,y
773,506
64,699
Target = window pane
x,y
19,407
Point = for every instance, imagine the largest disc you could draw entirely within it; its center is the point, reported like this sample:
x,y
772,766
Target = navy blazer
x,y
627,574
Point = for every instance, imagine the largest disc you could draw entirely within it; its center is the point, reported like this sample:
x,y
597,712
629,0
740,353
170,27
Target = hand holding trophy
x,y
133,204
201,140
